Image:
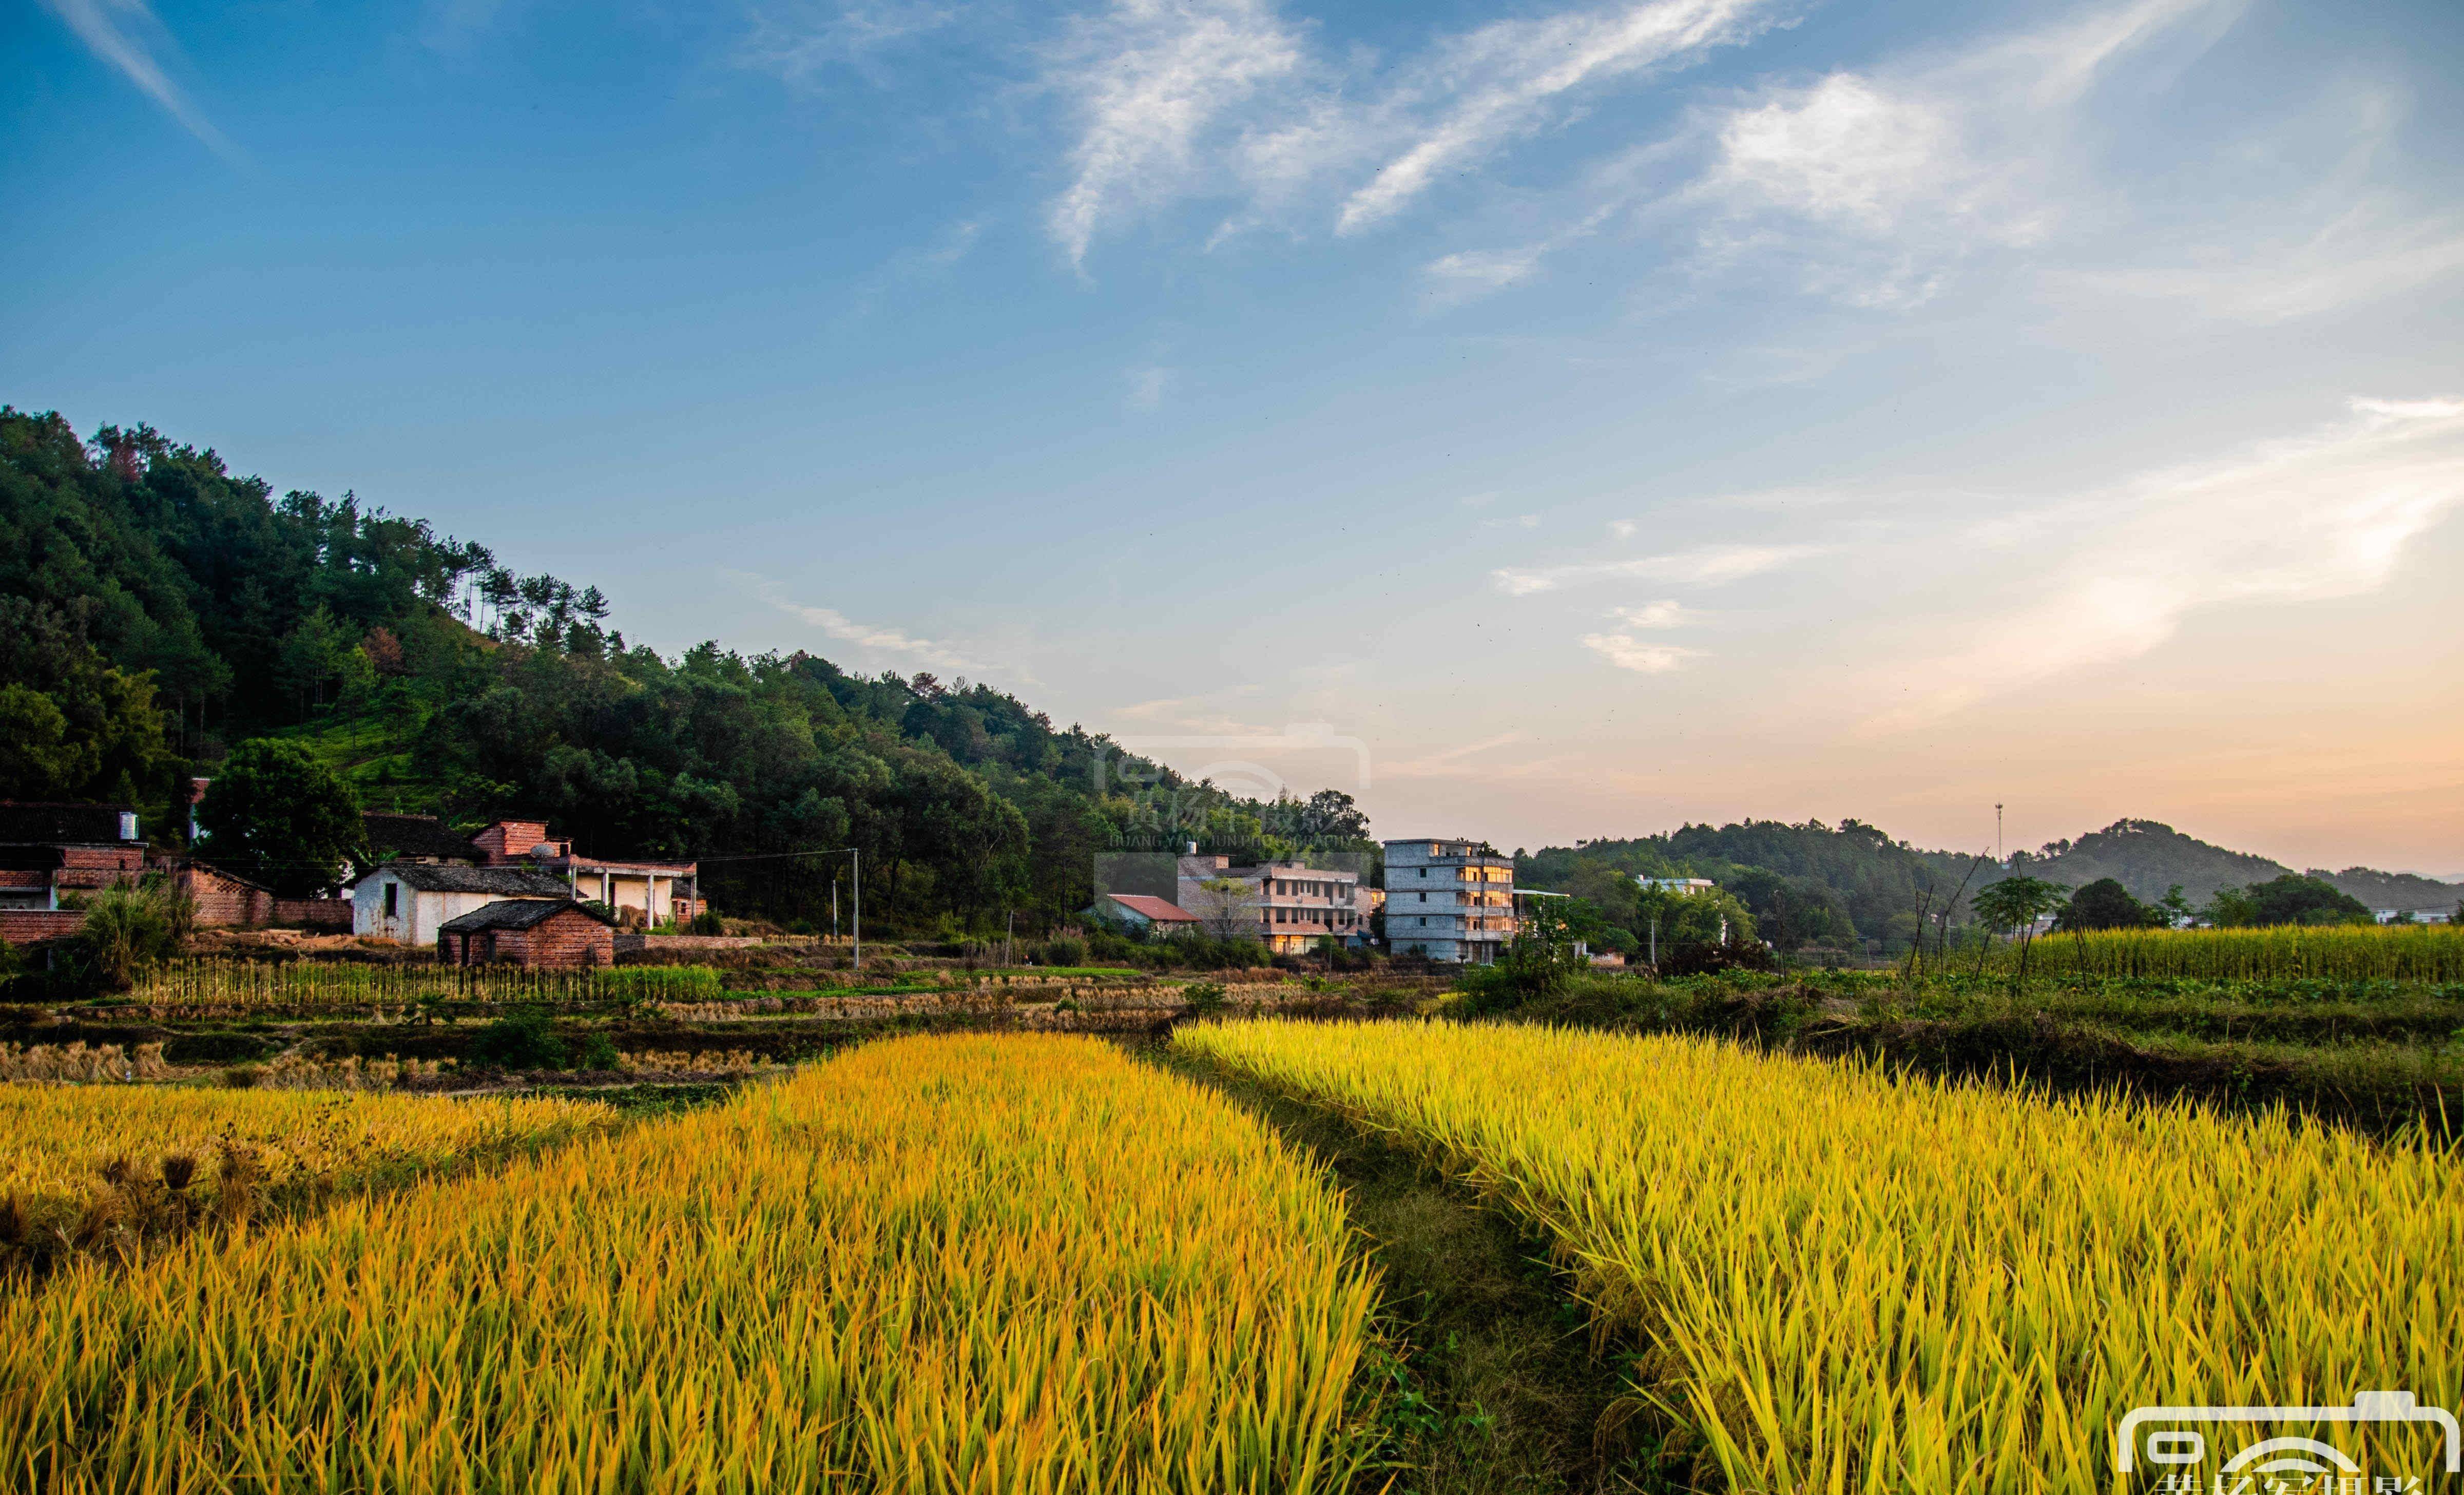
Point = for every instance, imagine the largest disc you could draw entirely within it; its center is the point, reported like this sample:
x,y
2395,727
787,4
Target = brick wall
x,y
570,939
314,913
223,900
25,926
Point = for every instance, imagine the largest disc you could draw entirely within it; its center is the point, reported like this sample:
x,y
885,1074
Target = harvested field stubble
x,y
946,1263
1847,1280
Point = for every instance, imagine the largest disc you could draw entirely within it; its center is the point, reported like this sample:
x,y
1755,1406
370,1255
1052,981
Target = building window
x,y
393,899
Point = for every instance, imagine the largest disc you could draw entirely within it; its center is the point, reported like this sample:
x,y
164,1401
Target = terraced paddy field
x,y
963,1263
1835,1278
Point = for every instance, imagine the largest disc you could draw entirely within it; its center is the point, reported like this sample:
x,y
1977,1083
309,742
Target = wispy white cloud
x,y
802,41
1869,187
836,624
1494,85
1621,529
1628,652
2367,253
1180,100
2323,515
126,35
1664,614
1150,79
1149,384
1705,565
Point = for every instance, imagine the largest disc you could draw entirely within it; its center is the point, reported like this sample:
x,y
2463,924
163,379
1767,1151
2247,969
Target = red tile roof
x,y
1162,911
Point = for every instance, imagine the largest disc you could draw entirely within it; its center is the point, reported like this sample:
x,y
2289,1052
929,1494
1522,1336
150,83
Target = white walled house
x,y
1448,900
409,902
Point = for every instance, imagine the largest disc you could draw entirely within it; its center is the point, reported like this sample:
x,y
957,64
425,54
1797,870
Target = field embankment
x,y
1843,1280
2380,1055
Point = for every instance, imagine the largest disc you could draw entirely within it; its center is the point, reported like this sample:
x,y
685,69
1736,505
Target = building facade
x,y
533,931
410,902
1450,901
1287,907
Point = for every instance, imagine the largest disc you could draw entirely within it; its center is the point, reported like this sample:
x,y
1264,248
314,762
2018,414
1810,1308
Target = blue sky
x,y
1576,417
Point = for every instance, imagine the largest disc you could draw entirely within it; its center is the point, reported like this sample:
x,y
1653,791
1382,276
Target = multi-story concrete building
x,y
1448,900
1287,907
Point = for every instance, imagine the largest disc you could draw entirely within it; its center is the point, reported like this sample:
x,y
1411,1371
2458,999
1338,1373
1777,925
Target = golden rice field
x,y
993,1264
55,1139
2339,953
312,984
1848,1282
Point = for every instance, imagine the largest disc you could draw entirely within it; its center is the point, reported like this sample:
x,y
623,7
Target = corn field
x,y
2337,952
309,985
56,1142
958,1263
1845,1281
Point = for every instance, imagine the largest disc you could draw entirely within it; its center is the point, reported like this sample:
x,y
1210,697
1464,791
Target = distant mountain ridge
x,y
2147,857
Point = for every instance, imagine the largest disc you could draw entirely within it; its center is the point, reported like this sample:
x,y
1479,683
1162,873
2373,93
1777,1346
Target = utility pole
x,y
1997,835
834,907
855,857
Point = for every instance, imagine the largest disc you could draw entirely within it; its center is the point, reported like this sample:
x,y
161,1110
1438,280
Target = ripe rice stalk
x,y
1846,1280
56,1142
953,1263
2339,952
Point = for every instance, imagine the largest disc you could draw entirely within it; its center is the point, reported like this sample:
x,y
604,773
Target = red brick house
x,y
49,850
528,931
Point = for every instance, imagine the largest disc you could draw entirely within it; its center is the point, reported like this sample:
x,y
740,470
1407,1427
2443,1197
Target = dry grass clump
x,y
988,1263
80,1063
1846,1280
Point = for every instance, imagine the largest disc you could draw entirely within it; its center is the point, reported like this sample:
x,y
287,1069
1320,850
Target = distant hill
x,y
1815,884
2147,857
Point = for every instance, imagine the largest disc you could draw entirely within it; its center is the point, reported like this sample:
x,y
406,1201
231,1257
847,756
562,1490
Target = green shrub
x,y
525,1040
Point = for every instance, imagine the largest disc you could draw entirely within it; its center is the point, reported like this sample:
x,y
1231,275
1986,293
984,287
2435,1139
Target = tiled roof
x,y
1162,911
79,825
417,836
514,913
513,882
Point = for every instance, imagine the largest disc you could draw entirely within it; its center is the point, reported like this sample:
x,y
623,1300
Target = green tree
x,y
2173,908
2017,903
2102,904
278,815
2296,899
72,726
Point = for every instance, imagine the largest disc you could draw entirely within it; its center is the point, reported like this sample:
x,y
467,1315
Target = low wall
x,y
626,942
27,925
314,912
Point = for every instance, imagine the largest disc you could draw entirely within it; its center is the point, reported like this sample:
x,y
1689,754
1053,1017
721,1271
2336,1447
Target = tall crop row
x,y
1847,1280
308,984
2336,952
947,1264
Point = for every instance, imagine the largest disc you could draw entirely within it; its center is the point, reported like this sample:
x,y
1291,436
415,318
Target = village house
x,y
411,902
1142,913
51,851
1289,906
532,932
636,890
1450,901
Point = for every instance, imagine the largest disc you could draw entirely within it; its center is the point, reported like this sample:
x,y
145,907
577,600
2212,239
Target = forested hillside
x,y
1808,884
1815,886
2148,857
156,611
